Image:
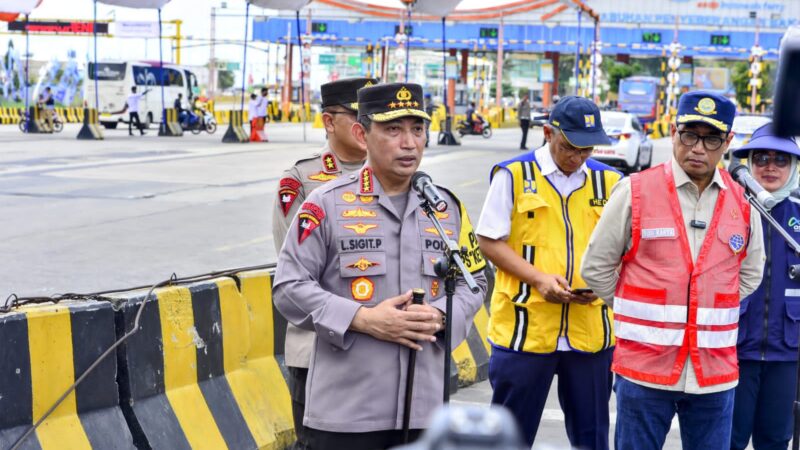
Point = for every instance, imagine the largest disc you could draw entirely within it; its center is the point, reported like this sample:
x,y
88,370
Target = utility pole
x,y
756,52
498,90
212,60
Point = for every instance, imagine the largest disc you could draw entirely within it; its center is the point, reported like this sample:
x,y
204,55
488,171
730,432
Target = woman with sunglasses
x,y
768,321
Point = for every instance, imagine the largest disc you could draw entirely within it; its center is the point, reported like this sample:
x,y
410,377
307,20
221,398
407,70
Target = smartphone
x,y
580,291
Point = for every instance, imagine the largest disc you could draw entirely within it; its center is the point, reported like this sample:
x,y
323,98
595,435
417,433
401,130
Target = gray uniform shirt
x,y
295,185
348,248
612,238
524,110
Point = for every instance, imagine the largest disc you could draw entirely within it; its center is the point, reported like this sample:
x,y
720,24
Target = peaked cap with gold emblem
x,y
386,102
706,107
344,92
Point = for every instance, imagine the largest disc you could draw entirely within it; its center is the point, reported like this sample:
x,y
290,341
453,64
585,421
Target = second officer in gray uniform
x,y
354,251
342,154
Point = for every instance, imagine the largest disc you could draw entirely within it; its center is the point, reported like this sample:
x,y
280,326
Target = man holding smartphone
x,y
539,212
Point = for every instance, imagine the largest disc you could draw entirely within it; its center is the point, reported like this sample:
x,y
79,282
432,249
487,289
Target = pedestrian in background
x,y
49,103
262,114
524,115
538,215
253,112
132,106
767,344
675,249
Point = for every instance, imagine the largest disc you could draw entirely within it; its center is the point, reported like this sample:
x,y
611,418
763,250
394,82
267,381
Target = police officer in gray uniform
x,y
342,154
354,251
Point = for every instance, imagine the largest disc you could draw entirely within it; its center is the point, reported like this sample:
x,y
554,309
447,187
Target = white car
x,y
630,150
743,127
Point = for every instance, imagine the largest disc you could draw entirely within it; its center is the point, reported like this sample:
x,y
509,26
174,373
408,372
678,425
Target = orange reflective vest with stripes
x,y
551,232
668,307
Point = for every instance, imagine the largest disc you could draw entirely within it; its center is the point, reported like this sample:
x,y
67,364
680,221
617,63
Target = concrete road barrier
x,y
204,370
45,348
91,126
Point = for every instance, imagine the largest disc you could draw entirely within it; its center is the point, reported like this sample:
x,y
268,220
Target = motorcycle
x,y
481,128
58,125
199,121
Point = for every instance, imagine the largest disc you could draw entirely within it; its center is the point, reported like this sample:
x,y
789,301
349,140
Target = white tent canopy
x,y
140,4
291,5
438,8
18,6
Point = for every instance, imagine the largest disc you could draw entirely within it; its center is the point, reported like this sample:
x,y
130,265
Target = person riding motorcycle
x,y
471,116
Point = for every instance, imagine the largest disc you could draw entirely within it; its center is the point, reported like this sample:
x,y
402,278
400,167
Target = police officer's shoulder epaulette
x,y
794,196
308,160
338,182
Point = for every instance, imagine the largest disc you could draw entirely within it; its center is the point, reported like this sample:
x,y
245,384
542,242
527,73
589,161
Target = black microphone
x,y
423,185
742,176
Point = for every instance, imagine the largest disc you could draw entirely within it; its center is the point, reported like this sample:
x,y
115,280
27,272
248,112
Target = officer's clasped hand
x,y
397,320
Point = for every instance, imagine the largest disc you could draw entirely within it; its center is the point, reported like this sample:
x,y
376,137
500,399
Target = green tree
x,y
740,78
616,71
224,79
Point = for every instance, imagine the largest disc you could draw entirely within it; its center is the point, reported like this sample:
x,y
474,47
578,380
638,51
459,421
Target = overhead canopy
x,y
140,4
457,11
440,8
292,5
18,6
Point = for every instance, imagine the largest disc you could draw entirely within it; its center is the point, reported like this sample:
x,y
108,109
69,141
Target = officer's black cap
x,y
385,102
344,92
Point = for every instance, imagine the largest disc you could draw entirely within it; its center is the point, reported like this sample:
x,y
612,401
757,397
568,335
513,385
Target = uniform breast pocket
x,y
366,274
532,206
658,237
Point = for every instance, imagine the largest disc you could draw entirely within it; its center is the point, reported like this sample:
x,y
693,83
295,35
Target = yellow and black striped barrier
x,y
9,116
235,132
205,369
45,348
91,126
170,123
204,373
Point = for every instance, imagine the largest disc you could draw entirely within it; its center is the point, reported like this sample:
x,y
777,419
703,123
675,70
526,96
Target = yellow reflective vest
x,y
551,232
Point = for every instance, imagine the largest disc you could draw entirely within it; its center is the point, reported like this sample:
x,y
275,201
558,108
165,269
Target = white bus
x,y
114,82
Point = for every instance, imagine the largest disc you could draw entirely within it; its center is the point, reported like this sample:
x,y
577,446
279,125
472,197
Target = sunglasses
x,y
779,159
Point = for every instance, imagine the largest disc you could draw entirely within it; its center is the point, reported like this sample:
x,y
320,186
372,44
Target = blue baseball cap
x,y
578,119
706,107
764,138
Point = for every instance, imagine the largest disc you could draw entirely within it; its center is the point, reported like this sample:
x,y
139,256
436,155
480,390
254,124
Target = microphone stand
x,y
418,295
794,274
448,268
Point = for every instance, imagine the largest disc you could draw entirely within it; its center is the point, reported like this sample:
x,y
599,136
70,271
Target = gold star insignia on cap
x,y
369,83
416,104
403,94
393,105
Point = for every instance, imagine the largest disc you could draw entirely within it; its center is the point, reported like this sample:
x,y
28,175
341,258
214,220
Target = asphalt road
x,y
87,216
